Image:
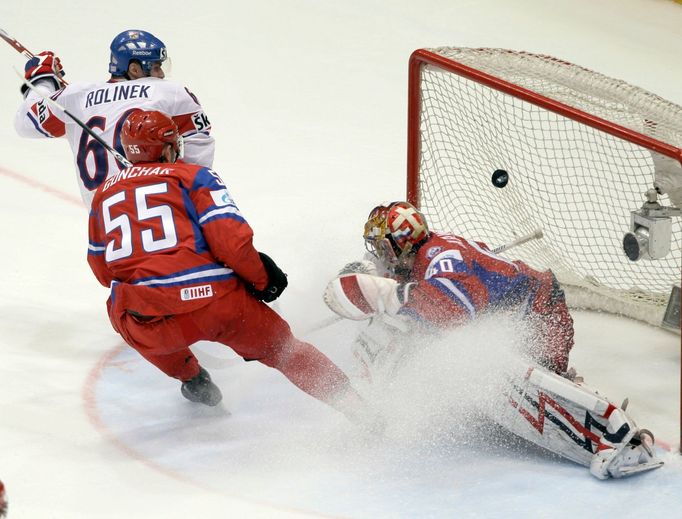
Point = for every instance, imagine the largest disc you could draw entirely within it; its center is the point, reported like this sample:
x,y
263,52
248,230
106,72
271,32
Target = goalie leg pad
x,y
380,347
575,422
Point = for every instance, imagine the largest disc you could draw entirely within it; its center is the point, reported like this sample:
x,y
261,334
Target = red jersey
x,y
456,279
168,239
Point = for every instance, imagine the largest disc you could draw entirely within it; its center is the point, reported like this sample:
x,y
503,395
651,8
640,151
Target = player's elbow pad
x,y
361,296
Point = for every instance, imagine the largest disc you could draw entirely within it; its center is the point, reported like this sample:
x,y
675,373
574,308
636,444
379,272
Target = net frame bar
x,y
421,57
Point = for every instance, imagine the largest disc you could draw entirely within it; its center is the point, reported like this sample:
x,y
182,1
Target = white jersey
x,y
103,106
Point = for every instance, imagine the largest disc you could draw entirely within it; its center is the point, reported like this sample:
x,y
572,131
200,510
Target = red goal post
x,y
580,149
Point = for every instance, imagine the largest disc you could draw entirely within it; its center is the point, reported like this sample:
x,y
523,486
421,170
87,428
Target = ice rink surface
x,y
308,105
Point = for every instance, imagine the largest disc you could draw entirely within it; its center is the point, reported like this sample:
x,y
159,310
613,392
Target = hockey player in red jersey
x,y
178,255
447,280
136,82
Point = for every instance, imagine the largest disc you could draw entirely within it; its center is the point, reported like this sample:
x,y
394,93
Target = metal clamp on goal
x,y
650,230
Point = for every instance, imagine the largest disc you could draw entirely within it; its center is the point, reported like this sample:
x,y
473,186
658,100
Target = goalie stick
x,y
535,235
75,119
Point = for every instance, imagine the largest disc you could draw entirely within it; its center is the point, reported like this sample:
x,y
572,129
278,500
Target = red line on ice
x,y
40,186
90,404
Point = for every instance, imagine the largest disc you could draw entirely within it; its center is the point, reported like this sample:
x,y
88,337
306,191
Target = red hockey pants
x,y
251,328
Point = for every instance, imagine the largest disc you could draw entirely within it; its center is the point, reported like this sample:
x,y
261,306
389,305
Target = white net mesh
x,y
577,183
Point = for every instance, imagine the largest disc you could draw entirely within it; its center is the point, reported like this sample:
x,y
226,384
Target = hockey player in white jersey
x,y
136,82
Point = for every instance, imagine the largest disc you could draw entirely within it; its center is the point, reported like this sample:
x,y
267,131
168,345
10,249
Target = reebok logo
x,y
187,294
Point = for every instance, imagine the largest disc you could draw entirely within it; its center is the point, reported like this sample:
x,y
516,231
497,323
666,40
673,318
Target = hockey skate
x,y
201,389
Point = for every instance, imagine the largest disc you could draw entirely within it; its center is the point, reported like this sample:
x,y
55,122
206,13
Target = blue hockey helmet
x,y
135,45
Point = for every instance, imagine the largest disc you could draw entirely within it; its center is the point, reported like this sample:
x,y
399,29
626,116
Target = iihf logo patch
x,y
187,294
433,252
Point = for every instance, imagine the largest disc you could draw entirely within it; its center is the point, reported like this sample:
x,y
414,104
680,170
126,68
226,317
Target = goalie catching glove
x,y
361,296
277,281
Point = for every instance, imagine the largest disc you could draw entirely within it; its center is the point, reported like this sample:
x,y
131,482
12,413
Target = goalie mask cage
x,y
580,149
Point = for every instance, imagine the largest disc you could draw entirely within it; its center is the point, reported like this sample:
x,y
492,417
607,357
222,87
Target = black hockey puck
x,y
500,178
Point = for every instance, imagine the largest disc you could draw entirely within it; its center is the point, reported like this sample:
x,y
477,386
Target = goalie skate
x,y
634,458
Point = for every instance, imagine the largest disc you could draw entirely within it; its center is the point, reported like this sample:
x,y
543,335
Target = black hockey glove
x,y
277,281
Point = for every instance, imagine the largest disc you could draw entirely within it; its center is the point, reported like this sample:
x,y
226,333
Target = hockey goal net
x,y
580,150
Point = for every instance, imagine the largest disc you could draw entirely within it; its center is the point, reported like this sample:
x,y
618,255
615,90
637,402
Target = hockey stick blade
x,y
76,120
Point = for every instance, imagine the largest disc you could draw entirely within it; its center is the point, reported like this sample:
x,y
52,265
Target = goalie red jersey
x,y
459,279
445,280
169,239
